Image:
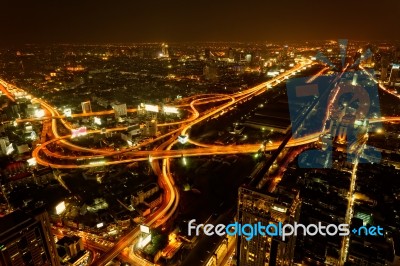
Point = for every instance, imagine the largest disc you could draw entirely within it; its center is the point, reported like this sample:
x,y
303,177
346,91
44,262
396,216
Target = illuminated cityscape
x,y
200,134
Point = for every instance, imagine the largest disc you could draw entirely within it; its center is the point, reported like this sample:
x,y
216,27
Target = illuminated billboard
x,y
68,112
78,132
144,229
170,110
272,73
97,121
183,139
31,161
60,208
9,149
151,108
144,241
39,113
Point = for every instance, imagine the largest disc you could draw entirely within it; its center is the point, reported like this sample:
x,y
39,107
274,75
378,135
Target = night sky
x,y
123,21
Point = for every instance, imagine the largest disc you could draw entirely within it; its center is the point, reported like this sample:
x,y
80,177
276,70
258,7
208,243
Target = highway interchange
x,y
160,156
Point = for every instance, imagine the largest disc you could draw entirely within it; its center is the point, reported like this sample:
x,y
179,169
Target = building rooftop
x,y
14,222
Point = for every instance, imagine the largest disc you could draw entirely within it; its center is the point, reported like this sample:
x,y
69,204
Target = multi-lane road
x,y
164,152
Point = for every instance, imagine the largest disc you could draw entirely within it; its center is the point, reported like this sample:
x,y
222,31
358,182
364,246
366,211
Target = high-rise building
x,y
394,74
27,240
164,50
42,216
231,53
384,67
86,107
279,207
355,77
151,128
248,58
71,244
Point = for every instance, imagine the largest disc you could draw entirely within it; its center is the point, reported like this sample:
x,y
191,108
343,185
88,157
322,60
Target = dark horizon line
x,y
95,43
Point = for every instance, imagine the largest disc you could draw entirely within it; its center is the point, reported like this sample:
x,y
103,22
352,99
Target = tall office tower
x,y
267,208
231,53
25,240
384,67
164,50
151,128
72,245
86,107
354,82
42,216
394,74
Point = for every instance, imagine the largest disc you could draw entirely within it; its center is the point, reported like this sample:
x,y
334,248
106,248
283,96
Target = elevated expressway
x,y
164,152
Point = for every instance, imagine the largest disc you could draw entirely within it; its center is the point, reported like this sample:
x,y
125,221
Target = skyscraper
x,y
151,128
25,240
384,68
253,207
394,74
164,50
231,53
